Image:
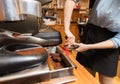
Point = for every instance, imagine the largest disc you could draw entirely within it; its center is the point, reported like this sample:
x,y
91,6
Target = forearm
x,y
69,5
101,45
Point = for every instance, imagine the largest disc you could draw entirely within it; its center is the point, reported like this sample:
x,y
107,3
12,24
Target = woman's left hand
x,y
82,47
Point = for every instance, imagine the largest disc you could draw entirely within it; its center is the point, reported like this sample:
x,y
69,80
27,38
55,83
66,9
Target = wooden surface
x,y
84,77
118,70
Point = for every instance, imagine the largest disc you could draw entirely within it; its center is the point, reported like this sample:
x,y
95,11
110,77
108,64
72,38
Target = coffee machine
x,y
20,17
25,16
25,42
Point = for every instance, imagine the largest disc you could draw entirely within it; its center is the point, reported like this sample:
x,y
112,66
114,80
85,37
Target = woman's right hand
x,y
70,38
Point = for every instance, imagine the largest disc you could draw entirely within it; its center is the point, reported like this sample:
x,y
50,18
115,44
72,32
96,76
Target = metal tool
x,y
74,46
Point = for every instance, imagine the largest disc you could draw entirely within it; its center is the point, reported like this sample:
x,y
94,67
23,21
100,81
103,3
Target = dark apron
x,y
103,61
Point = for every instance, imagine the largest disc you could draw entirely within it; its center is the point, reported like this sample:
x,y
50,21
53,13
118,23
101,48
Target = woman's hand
x,y
108,44
82,47
70,38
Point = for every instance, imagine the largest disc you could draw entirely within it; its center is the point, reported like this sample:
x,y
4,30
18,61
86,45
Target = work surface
x,y
82,75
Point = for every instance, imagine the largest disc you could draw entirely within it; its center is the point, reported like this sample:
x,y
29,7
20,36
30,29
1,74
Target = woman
x,y
98,50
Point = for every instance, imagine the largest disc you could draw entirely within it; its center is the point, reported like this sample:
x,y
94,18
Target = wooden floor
x,y
116,79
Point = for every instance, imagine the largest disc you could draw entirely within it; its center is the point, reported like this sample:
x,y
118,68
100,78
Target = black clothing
x,y
91,4
103,61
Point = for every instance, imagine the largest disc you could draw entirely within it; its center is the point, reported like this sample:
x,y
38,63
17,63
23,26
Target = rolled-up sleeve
x,y
116,40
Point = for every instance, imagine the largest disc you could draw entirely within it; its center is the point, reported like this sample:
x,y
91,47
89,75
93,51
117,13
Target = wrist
x,y
90,46
67,31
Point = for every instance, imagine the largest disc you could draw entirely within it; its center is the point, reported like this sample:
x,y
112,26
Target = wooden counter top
x,y
84,77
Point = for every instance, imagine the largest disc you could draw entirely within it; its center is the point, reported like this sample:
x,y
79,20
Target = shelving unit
x,y
57,6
